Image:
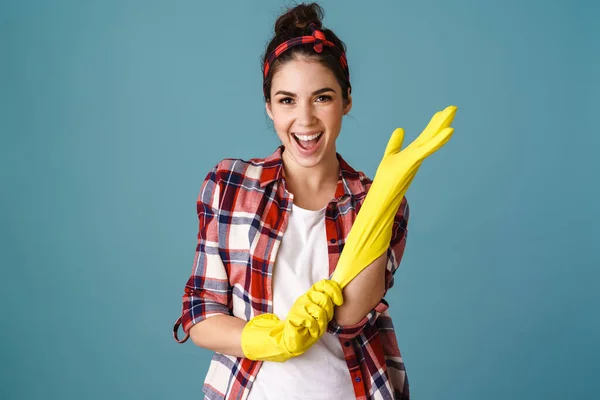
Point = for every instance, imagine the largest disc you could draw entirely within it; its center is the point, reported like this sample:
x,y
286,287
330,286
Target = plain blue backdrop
x,y
112,113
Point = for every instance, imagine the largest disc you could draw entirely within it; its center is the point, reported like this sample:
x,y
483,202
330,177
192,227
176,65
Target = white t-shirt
x,y
321,372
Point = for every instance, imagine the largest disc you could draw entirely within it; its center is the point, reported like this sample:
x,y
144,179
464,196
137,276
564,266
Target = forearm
x,y
363,293
221,333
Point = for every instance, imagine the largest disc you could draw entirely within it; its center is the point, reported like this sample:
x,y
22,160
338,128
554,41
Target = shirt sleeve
x,y
207,292
394,257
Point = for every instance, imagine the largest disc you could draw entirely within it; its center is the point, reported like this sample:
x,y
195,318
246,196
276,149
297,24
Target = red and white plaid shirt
x,y
243,208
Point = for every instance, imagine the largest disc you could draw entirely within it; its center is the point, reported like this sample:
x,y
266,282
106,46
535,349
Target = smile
x,y
308,144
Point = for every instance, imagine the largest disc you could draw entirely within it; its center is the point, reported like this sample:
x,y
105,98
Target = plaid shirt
x,y
243,208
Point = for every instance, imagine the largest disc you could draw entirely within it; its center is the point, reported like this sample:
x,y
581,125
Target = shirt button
x,y
332,240
357,379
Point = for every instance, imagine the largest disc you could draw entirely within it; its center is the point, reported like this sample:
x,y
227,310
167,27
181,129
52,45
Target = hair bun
x,y
298,18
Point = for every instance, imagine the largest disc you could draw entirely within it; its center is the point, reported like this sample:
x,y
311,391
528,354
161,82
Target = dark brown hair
x,y
293,23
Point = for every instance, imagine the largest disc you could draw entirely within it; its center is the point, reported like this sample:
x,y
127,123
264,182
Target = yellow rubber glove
x,y
371,232
267,338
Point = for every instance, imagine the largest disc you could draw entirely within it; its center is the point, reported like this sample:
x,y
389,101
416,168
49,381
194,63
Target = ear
x,y
348,105
268,108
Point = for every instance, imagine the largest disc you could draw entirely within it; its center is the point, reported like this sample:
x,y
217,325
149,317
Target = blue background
x,y
112,113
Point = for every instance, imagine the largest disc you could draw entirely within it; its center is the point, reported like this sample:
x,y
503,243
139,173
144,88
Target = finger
x,y
297,338
435,143
440,120
322,300
320,315
395,143
443,119
432,127
448,116
330,288
308,319
301,318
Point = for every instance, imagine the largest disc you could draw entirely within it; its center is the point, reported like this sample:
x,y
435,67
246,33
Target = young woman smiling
x,y
265,292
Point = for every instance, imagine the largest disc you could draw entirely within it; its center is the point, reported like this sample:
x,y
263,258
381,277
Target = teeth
x,y
306,138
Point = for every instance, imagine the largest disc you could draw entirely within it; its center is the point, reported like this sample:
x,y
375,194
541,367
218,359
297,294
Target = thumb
x,y
395,143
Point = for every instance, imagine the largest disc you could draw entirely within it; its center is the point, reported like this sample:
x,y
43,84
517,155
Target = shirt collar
x,y
349,181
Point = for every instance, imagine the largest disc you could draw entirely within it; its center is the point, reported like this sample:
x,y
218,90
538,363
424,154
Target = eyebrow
x,y
316,92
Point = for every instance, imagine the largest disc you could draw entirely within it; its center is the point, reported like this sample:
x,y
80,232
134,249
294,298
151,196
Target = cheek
x,y
333,119
281,123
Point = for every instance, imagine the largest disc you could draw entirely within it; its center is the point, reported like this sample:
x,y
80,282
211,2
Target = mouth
x,y
307,141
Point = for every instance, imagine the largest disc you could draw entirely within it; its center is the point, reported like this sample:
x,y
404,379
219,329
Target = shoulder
x,y
229,168
238,176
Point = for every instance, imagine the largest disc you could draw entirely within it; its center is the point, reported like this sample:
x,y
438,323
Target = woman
x,y
271,231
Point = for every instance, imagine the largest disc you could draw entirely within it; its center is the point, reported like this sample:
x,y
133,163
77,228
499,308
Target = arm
x,y
363,293
221,333
349,323
207,295
376,225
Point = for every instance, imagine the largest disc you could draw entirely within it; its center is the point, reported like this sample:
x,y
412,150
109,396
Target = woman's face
x,y
307,108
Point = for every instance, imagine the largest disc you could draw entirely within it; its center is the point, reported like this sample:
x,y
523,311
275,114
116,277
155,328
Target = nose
x,y
306,114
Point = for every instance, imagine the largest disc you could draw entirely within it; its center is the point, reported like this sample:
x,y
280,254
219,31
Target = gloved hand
x,y
267,338
371,232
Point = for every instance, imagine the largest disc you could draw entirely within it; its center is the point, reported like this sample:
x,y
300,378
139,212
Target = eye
x,y
286,100
323,98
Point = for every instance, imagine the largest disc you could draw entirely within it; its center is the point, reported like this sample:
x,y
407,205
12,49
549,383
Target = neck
x,y
317,179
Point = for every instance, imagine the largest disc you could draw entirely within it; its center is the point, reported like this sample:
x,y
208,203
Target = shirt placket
x,y
282,207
